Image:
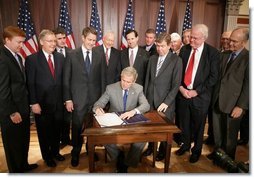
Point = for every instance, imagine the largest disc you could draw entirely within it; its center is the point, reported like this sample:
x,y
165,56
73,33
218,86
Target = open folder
x,y
113,119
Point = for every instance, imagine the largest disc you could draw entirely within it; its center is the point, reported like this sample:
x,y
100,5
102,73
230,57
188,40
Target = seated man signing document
x,y
125,96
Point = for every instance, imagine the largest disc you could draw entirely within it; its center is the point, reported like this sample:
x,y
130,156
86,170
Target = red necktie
x,y
51,67
106,56
188,73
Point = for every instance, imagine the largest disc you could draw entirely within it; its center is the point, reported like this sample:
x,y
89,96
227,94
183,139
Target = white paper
x,y
109,119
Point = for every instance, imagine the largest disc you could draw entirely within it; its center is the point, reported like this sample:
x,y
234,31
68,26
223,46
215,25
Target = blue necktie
x,y
125,99
87,62
231,60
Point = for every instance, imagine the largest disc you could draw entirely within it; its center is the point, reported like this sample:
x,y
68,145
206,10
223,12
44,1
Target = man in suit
x,y
44,80
14,110
200,73
164,73
84,83
62,48
150,46
136,103
110,57
135,56
231,96
224,41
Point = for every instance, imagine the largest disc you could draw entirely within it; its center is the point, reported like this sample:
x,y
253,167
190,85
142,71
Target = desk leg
x,y
91,156
167,158
155,145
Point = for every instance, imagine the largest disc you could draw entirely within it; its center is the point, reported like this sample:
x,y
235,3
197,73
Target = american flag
x,y
25,23
161,21
65,23
95,22
187,17
128,24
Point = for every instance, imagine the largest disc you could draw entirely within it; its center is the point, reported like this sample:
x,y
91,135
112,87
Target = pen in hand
x,y
99,111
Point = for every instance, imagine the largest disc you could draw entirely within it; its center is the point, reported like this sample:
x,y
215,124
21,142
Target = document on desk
x,y
109,119
113,119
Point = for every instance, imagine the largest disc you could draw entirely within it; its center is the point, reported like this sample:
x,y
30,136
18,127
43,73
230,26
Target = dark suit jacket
x,y
152,50
140,63
14,98
163,87
13,91
113,69
206,76
232,88
81,88
43,88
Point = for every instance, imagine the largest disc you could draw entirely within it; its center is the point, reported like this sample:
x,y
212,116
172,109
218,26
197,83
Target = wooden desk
x,y
159,129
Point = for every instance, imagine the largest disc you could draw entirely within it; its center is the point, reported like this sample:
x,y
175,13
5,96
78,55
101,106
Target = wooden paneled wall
x,y
45,14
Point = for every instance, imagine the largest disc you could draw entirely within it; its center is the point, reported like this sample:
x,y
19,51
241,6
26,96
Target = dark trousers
x,y
65,129
192,123
48,127
225,130
244,127
16,138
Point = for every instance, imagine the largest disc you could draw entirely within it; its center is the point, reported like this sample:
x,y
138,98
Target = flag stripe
x,y
25,23
128,24
95,22
65,23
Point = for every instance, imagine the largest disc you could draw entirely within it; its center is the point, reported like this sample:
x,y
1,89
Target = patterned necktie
x,y
87,62
131,58
125,100
231,60
189,70
61,51
106,55
159,64
51,67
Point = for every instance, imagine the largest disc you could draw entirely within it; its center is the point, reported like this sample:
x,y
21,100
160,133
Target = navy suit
x,y
47,92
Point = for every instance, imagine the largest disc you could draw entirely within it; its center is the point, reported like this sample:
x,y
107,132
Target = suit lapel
x,y
9,54
130,97
42,61
165,63
202,64
119,94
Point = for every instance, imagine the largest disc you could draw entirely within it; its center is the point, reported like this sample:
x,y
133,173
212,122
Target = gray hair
x,y
203,29
130,71
44,33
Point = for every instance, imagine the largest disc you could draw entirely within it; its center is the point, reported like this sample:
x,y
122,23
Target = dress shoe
x,y
160,156
242,142
50,163
59,157
148,152
211,156
121,167
181,151
30,167
209,141
75,161
194,158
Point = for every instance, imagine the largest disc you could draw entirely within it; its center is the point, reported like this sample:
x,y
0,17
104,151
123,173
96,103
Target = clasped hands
x,y
188,93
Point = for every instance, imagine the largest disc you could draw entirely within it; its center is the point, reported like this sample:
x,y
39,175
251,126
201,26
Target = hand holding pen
x,y
99,111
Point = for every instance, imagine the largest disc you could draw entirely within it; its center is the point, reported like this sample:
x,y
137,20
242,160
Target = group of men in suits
x,y
87,78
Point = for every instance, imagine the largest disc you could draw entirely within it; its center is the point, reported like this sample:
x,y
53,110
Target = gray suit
x,y
136,100
231,90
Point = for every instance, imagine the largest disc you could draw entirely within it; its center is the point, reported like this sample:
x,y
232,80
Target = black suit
x,y
47,92
231,90
192,112
113,69
13,98
84,90
152,51
65,128
140,63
